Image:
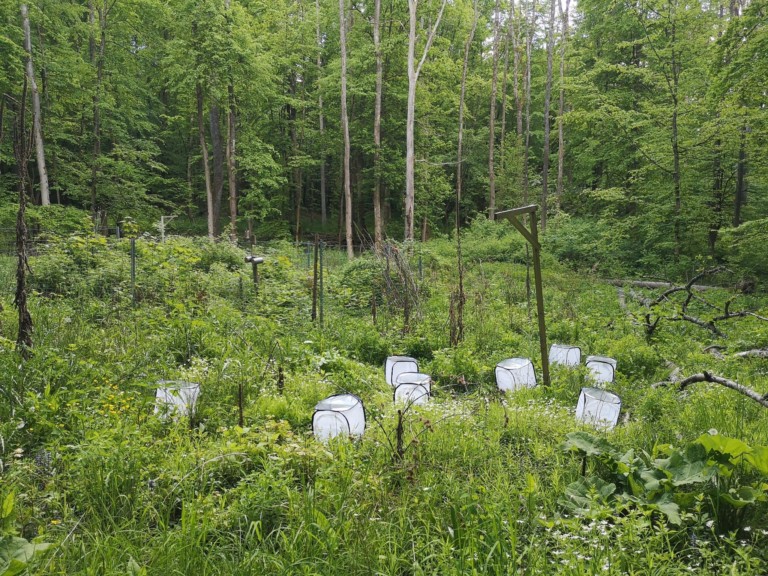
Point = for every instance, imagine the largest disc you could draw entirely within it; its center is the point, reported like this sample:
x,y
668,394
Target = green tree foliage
x,y
664,114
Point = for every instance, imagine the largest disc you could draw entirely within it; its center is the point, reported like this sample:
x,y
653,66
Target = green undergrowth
x,y
475,482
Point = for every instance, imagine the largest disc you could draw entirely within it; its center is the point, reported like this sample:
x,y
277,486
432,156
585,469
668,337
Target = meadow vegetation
x,y
484,483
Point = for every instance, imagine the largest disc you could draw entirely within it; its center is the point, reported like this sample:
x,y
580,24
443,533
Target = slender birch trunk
x,y
547,107
345,129
531,25
37,126
492,118
231,142
206,166
377,223
413,77
321,119
561,106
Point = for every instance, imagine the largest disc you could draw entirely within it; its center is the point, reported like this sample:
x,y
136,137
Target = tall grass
x,y
478,490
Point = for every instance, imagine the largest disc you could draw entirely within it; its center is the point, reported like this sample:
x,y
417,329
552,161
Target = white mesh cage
x,y
340,414
598,407
396,365
176,398
565,355
515,373
412,388
603,369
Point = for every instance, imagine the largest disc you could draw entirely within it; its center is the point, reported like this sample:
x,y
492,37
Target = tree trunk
x,y
516,75
345,129
206,166
410,158
321,119
741,182
413,76
37,127
218,166
21,153
528,54
561,107
504,88
377,223
231,172
492,118
231,142
547,105
457,327
718,198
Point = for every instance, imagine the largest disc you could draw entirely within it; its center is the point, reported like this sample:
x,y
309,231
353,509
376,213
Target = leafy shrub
x,y
744,248
698,482
361,279
224,253
487,241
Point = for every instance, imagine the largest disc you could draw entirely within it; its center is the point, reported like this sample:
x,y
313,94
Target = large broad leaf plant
x,y
714,478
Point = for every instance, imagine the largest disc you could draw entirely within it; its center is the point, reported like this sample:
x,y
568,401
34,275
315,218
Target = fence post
x,y
133,270
322,291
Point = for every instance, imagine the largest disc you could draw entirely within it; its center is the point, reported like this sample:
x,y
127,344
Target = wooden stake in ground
x,y
532,236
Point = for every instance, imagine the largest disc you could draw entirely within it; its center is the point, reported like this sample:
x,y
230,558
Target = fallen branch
x,y
655,285
757,353
716,351
689,285
699,322
707,377
622,298
652,317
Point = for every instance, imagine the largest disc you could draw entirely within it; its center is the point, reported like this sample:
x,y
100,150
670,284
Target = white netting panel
x,y
603,369
565,355
176,398
340,414
598,407
411,394
515,373
396,365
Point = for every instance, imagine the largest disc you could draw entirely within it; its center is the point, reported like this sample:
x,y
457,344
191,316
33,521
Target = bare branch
x,y
707,377
757,353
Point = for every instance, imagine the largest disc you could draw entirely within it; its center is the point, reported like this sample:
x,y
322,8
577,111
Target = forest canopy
x,y
640,128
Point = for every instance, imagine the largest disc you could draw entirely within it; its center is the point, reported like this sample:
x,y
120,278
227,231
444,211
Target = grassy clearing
x,y
485,484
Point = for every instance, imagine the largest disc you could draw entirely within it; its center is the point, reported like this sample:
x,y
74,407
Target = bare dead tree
x,y
21,152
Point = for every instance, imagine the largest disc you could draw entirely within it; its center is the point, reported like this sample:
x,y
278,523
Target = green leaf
x,y
670,509
7,505
731,447
759,459
15,554
689,468
586,443
742,496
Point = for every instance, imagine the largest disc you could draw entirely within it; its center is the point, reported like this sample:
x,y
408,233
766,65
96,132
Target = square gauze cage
x,y
342,414
396,365
515,373
598,407
565,355
412,388
176,398
603,369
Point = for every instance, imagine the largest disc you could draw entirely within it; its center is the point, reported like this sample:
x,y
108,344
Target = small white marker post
x,y
163,221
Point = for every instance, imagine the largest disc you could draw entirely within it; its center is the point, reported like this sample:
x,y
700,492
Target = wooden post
x,y
314,277
532,236
133,271
255,261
